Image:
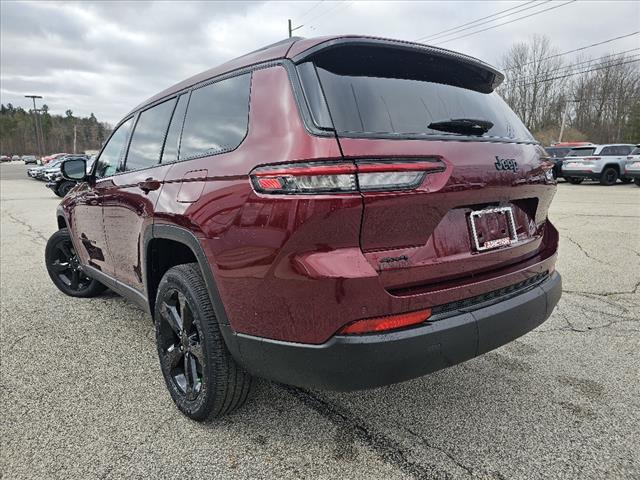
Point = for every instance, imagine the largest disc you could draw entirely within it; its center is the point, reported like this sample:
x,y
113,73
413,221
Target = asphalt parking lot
x,y
82,395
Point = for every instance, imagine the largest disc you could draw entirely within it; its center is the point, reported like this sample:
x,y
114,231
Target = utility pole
x,y
564,119
74,138
292,28
35,121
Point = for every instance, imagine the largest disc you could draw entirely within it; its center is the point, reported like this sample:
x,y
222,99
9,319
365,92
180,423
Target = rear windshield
x,y
636,151
371,94
581,152
558,152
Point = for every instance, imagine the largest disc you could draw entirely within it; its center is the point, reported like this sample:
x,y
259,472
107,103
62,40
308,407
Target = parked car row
x,y
50,173
605,163
27,159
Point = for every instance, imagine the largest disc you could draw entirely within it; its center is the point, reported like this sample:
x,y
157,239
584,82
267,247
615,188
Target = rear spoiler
x,y
458,69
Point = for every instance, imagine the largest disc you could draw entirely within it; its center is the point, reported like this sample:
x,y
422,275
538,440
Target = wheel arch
x,y
185,239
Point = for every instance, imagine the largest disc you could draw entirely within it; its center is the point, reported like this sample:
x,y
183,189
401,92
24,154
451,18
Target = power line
x,y
335,8
577,49
459,28
602,67
310,9
574,66
505,23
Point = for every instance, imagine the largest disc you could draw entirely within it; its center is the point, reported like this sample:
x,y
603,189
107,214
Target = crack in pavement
x,y
586,254
469,470
35,234
605,294
386,448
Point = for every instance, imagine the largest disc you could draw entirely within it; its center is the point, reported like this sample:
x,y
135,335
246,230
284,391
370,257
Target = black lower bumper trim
x,y
366,361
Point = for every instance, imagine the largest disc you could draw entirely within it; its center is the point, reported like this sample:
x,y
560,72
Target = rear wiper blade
x,y
466,126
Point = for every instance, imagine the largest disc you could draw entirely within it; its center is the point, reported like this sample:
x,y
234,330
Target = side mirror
x,y
74,169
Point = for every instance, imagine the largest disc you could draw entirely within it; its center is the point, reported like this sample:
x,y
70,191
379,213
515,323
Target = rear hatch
x,y
483,210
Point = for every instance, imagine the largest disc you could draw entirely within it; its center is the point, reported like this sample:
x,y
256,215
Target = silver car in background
x,y
604,163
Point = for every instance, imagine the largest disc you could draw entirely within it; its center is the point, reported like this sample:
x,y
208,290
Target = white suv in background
x,y
632,166
598,162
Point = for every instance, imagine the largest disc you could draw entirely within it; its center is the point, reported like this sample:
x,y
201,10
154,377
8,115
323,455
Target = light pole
x,y
35,122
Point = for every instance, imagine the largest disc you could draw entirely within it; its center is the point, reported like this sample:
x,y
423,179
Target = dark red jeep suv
x,y
335,213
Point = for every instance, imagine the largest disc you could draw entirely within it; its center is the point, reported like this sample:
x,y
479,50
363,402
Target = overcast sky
x,y
106,57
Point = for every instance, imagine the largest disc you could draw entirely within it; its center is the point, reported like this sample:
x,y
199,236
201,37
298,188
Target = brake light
x,y
344,177
380,324
591,158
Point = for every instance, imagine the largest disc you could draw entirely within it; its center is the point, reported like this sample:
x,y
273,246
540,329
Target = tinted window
x,y
148,136
625,149
558,152
217,118
171,145
581,152
112,153
608,151
378,91
636,151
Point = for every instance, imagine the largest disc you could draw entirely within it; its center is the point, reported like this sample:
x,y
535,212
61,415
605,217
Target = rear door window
x,y
217,118
148,136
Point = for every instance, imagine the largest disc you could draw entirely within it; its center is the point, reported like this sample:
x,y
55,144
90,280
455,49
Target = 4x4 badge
x,y
506,164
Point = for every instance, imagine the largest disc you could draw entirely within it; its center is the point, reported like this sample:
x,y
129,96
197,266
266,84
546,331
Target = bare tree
x,y
601,96
530,87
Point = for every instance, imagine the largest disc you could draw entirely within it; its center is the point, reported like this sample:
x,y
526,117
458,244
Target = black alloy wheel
x,y
609,176
180,347
65,269
202,377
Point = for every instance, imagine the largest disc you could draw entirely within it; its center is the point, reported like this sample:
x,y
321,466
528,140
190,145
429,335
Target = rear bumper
x,y
631,173
366,361
579,173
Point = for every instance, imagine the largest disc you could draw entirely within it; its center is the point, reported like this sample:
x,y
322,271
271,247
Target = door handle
x,y
149,184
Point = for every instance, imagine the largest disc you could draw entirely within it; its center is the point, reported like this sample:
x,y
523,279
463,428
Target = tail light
x,y
381,324
591,158
344,177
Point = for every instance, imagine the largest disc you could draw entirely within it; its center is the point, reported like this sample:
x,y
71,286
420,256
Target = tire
x,y
65,270
609,176
64,188
189,340
637,182
575,180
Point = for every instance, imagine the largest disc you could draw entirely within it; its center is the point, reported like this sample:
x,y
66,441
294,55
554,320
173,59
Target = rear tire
x,y
65,270
609,176
575,180
637,182
202,377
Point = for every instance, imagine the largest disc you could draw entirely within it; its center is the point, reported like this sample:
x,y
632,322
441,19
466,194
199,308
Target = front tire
x,y
202,377
65,269
64,188
609,176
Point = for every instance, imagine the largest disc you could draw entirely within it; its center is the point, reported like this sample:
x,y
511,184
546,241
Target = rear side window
x,y
148,136
636,151
112,152
217,118
172,143
373,91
